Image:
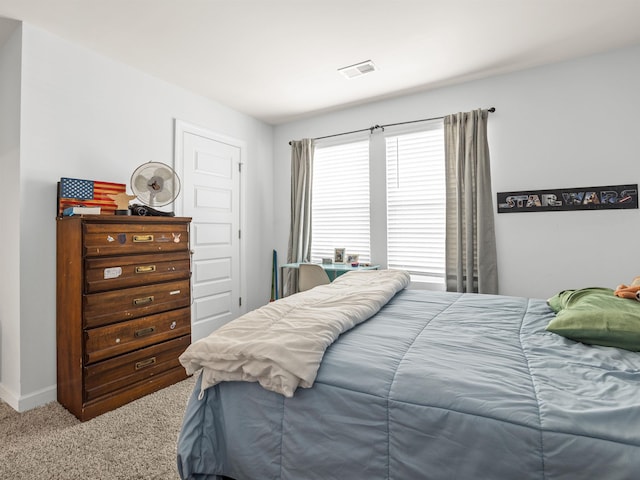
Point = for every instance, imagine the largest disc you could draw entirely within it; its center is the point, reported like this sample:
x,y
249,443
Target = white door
x,y
209,166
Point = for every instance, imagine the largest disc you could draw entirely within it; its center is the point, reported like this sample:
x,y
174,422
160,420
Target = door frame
x,y
180,128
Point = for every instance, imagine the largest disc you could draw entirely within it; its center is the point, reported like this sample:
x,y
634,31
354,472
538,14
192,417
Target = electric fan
x,y
155,184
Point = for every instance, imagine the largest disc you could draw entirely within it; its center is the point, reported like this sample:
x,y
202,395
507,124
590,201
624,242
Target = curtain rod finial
x,y
492,109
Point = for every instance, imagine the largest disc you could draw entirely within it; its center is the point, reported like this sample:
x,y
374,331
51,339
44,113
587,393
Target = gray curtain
x,y
471,259
300,232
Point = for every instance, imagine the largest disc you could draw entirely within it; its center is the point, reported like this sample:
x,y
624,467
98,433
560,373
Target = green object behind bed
x,y
597,317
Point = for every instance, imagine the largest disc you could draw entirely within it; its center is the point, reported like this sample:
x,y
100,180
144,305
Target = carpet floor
x,y
136,441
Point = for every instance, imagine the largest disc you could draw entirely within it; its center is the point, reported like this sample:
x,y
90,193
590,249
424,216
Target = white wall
x,y
10,53
86,116
572,124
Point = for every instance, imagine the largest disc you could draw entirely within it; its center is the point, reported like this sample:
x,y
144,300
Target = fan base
x,y
143,210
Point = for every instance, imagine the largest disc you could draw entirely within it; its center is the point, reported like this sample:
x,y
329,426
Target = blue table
x,y
334,270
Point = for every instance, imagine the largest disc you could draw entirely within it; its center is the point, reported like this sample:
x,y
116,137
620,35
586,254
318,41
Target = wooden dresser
x,y
123,308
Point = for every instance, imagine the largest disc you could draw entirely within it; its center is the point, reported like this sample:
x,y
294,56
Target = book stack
x,y
69,211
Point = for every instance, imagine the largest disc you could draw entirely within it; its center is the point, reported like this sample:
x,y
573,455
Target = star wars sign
x,y
589,198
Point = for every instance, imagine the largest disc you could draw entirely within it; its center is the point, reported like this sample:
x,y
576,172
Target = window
x,y
349,199
340,201
416,202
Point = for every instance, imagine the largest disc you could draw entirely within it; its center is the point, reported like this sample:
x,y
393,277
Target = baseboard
x,y
8,397
30,401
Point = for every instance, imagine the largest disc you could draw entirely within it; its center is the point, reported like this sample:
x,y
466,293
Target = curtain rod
x,y
375,127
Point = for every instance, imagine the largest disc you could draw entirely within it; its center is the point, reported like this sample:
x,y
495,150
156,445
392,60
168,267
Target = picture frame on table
x,y
338,255
352,259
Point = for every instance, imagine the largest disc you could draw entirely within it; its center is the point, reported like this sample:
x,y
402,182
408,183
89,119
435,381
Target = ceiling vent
x,y
358,69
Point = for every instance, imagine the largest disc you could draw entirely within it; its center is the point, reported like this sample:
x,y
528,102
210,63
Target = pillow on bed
x,y
597,317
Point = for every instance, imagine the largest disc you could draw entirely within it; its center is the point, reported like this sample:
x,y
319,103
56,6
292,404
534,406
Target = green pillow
x,y
597,317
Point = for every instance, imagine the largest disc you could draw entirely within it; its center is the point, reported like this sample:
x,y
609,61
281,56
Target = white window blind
x,y
340,200
416,202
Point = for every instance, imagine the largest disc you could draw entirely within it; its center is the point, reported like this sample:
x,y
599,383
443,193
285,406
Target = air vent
x,y
358,69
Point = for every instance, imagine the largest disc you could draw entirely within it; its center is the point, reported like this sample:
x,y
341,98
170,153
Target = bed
x,y
434,385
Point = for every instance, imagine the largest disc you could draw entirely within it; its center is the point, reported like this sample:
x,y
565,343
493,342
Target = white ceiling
x,y
277,60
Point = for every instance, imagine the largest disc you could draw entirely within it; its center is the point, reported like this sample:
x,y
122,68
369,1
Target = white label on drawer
x,y
112,272
174,292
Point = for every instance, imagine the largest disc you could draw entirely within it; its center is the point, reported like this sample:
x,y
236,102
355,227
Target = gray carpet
x,y
136,441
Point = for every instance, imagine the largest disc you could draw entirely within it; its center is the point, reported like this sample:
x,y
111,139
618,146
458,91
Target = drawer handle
x,y
145,363
144,331
143,300
143,238
146,269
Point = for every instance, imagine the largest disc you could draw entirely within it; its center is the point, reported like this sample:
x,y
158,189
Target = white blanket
x,y
280,345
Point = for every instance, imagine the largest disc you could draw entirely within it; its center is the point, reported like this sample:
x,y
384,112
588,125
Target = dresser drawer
x,y
110,375
117,305
110,273
119,239
106,342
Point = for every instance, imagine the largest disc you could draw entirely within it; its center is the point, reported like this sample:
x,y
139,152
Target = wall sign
x,y
588,198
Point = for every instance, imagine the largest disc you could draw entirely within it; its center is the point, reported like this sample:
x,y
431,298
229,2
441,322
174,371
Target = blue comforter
x,y
435,386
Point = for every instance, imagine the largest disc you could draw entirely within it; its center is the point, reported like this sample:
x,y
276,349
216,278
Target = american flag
x,y
74,192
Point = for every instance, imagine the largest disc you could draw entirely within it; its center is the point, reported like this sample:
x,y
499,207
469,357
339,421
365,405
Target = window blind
x,y
416,202
340,201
